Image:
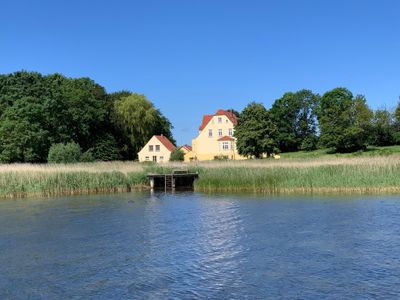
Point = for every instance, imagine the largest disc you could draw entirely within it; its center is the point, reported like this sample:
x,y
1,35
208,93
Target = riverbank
x,y
373,174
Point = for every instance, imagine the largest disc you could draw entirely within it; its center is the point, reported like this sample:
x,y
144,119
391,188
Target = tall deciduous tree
x,y
383,126
140,120
344,120
255,131
294,114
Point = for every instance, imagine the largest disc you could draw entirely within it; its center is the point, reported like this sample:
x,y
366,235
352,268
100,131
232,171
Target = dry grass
x,y
374,174
97,167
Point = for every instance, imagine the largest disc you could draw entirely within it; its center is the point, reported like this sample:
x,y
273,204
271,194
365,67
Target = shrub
x,y
177,155
106,149
87,156
64,153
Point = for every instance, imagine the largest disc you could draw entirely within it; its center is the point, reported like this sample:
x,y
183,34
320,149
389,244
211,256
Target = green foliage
x,y
295,118
106,148
87,156
65,153
140,120
309,143
383,126
37,111
344,121
255,131
23,138
177,155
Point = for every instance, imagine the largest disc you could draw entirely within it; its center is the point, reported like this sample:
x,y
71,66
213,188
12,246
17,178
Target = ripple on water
x,y
192,246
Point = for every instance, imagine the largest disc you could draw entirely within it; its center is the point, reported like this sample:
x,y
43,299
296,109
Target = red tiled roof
x,y
226,138
166,142
220,112
187,147
231,116
206,119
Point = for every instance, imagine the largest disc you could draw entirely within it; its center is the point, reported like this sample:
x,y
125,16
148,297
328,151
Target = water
x,y
196,246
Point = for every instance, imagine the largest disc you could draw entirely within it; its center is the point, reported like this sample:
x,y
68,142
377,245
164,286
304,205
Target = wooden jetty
x,y
177,180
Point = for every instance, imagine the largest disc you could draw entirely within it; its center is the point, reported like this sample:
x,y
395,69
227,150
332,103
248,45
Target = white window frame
x,y
158,148
230,132
219,132
225,146
151,148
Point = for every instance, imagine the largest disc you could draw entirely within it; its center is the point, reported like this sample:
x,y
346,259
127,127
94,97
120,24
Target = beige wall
x,y
162,155
206,147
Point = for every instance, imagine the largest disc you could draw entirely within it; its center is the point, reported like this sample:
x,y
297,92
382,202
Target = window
x,y
230,132
209,132
146,158
161,158
225,145
157,148
151,148
219,132
155,158
219,120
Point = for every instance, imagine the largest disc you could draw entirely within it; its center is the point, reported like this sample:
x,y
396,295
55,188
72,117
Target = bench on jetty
x,y
177,180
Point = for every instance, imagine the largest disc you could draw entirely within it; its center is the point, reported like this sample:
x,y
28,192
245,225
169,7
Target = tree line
x,y
303,120
56,117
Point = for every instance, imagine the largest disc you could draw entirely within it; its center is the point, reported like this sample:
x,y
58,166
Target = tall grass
x,y
305,175
362,178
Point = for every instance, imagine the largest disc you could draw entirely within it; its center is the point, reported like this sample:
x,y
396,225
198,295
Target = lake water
x,y
198,246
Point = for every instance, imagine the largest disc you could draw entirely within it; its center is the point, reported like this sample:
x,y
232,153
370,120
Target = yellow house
x,y
215,138
185,149
157,149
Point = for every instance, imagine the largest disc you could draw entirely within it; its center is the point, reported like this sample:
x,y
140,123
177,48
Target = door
x,y
155,158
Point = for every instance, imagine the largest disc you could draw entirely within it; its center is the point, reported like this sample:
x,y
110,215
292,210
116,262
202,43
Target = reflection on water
x,y
196,246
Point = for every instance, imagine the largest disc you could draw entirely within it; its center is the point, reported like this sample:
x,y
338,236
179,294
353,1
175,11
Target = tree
x,y
140,120
295,117
383,133
255,131
177,155
344,120
23,137
65,153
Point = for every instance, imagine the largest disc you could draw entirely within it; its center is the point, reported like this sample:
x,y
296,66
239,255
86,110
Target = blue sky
x,y
192,57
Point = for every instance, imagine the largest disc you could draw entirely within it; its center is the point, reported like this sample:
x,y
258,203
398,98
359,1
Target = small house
x,y
158,149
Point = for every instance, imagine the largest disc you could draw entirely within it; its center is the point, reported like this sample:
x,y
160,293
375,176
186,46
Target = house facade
x,y
215,138
158,149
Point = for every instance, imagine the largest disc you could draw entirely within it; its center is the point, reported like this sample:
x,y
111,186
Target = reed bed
x,y
354,178
374,174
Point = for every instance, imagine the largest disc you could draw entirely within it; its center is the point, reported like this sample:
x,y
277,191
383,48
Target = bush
x,y
309,143
177,155
106,149
87,156
64,153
